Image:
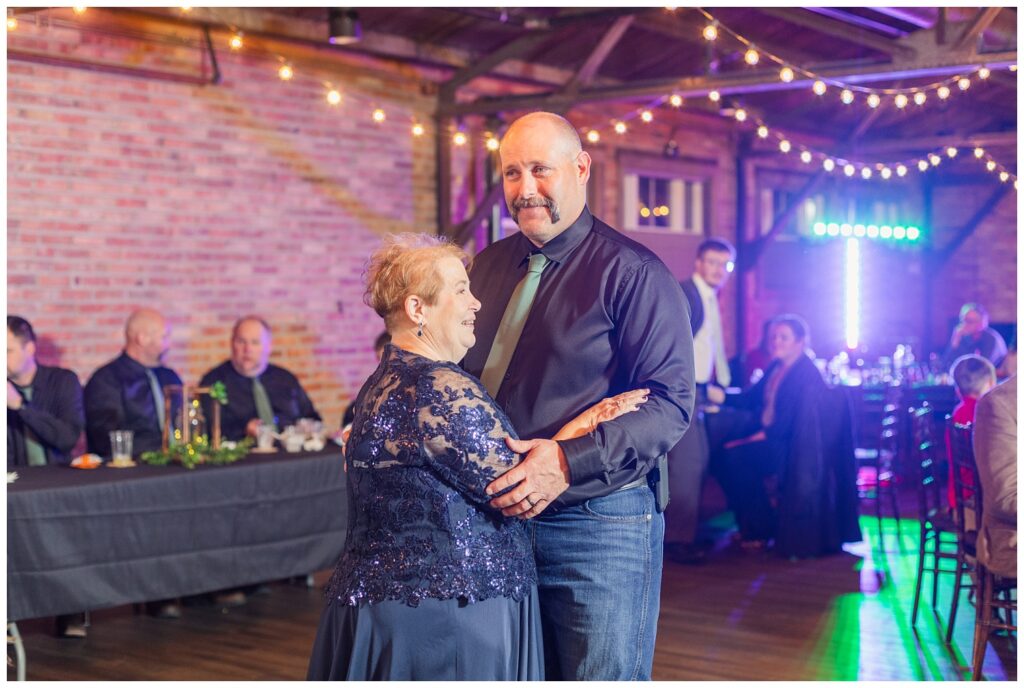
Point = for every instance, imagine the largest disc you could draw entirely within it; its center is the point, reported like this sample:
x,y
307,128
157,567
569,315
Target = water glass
x,y
121,445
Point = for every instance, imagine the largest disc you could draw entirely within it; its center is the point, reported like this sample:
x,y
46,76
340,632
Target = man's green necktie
x,y
511,327
263,408
35,453
158,397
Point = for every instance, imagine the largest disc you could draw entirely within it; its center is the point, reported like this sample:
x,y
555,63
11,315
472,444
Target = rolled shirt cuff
x,y
584,458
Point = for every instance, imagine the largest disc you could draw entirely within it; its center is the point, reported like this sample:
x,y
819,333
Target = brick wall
x,y
207,202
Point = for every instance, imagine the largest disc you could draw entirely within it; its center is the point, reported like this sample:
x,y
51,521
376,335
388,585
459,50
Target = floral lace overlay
x,y
426,440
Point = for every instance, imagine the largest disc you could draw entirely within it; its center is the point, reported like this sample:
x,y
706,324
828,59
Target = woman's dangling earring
x,y
419,332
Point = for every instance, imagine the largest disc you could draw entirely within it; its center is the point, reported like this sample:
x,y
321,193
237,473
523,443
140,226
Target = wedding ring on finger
x,y
530,502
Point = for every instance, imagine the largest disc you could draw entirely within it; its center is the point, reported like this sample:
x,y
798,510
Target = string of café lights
x,y
286,72
711,32
872,97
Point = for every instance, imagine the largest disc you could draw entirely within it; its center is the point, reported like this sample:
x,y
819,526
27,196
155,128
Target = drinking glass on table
x,y
121,446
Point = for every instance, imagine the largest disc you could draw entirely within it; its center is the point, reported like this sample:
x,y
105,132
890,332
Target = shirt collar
x,y
559,248
703,287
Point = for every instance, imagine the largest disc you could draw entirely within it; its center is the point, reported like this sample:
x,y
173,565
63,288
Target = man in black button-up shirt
x,y
127,393
250,353
608,317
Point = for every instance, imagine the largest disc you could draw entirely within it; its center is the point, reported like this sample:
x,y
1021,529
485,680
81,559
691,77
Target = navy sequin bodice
x,y
426,440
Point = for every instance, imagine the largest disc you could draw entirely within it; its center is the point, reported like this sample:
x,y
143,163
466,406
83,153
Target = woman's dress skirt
x,y
440,640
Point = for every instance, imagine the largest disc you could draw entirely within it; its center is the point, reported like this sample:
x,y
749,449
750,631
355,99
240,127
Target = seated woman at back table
x,y
433,584
795,438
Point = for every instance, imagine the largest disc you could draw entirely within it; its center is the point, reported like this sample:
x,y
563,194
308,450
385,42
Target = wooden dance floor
x,y
740,616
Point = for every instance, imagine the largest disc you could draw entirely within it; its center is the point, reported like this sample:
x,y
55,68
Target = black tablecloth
x,y
89,539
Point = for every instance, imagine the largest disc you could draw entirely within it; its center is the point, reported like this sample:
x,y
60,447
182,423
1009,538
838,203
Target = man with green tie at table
x,y
127,394
258,391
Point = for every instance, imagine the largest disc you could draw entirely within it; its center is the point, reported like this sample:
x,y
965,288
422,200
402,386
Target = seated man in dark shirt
x,y
972,335
44,403
258,392
44,419
127,394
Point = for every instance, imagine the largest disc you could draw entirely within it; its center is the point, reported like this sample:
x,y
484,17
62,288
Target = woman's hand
x,y
758,436
604,410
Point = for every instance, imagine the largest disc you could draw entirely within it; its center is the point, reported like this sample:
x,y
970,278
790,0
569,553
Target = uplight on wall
x,y
890,233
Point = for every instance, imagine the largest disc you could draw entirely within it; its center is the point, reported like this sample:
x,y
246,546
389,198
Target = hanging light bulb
x,y
751,57
951,152
675,100
333,97
865,172
846,96
819,87
186,8
785,146
285,72
964,84
79,9
379,116
874,101
990,165
236,41
922,165
942,92
1012,68
901,170
934,159
12,22
1003,176
491,143
646,116
900,100
715,96
979,152
805,156
593,136
920,97
984,73
741,115
459,139
762,131
786,74
710,31
829,164
620,127
417,129
885,172
849,169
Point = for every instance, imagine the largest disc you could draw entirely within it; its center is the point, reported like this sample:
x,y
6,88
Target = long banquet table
x,y
90,539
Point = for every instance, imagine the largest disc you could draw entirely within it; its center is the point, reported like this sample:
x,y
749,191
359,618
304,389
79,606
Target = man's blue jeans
x,y
599,565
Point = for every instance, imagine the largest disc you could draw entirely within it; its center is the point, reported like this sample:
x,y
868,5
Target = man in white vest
x,y
688,460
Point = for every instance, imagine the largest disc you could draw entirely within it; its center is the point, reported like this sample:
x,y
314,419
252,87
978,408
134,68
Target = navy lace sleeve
x,y
463,432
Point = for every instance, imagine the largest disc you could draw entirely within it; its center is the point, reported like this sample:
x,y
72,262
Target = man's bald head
x,y
147,336
545,172
555,129
250,345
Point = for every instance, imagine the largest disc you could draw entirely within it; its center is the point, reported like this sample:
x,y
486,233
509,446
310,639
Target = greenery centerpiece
x,y
191,448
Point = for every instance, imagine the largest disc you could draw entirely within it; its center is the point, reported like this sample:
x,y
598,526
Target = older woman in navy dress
x,y
433,583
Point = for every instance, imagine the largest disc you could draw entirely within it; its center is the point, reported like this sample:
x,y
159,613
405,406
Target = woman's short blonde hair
x,y
406,264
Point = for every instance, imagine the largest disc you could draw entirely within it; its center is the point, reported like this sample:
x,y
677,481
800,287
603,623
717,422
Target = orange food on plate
x,y
87,461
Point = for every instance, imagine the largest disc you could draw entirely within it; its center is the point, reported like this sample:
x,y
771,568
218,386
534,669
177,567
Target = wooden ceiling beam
x,y
758,81
837,29
982,20
982,138
599,54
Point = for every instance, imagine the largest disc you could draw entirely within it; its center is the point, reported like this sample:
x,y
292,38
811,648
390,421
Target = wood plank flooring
x,y
737,617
